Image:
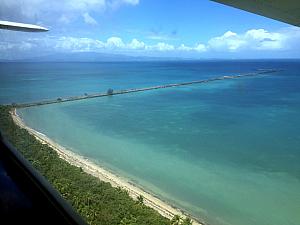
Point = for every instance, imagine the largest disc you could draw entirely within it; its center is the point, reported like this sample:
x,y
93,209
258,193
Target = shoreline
x,y
103,174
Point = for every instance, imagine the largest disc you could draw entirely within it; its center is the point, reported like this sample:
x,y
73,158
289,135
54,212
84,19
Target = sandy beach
x,y
90,167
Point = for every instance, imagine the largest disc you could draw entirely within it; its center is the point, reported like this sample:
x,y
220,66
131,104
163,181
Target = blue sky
x,y
166,28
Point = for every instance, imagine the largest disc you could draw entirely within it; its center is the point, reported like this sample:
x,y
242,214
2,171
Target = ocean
x,y
226,152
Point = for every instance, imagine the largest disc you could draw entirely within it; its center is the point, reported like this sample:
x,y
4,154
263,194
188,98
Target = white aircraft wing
x,y
7,25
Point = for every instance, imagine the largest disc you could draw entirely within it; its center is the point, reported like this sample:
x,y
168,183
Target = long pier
x,y
119,92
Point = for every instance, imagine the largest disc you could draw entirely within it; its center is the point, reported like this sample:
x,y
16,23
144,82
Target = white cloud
x,y
228,41
113,4
135,44
6,46
57,10
78,44
161,46
255,39
114,43
111,44
262,39
88,19
84,5
197,48
25,46
183,47
132,2
200,48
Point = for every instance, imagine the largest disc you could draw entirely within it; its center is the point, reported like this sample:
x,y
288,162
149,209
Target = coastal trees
x,y
140,199
131,220
110,91
178,220
187,221
96,201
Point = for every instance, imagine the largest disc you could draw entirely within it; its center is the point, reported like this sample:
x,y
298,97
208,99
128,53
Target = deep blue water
x,y
227,152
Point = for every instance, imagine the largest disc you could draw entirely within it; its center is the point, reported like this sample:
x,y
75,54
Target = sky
x,y
197,29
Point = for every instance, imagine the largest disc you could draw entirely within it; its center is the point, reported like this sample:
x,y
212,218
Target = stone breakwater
x,y
119,92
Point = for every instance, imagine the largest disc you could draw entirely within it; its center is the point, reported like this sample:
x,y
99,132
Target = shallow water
x,y
227,152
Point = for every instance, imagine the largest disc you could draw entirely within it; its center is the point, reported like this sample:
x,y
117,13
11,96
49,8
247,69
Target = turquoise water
x,y
227,152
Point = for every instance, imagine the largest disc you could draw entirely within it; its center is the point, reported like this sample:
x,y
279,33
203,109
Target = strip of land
x,y
120,92
89,167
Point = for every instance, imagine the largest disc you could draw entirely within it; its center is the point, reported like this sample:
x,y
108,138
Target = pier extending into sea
x,y
119,92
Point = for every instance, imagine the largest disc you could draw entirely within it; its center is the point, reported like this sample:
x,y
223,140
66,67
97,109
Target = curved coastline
x,y
165,209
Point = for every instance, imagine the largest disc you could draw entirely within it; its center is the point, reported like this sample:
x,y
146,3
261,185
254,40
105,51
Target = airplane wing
x,y
287,11
7,25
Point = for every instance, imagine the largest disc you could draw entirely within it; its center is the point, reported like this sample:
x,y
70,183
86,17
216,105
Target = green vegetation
x,y
178,220
140,199
96,201
110,91
186,221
